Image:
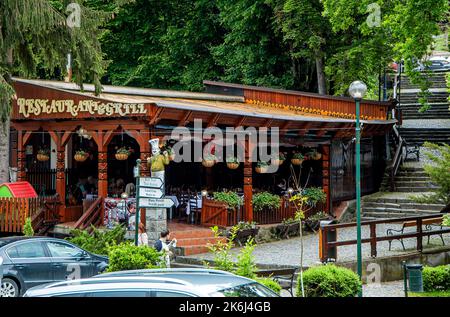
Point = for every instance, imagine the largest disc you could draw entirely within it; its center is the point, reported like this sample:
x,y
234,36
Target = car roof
x,y
119,285
8,240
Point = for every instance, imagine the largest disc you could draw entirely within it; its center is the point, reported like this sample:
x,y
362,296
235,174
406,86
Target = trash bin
x,y
331,237
415,279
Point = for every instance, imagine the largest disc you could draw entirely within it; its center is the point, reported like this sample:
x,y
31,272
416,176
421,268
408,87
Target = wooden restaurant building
x,y
58,120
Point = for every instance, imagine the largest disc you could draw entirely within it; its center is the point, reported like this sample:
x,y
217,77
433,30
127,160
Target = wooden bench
x,y
412,149
427,223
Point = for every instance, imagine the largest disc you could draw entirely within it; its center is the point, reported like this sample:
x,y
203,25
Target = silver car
x,y
157,283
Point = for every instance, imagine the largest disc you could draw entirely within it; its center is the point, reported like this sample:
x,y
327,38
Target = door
x,y
32,262
69,262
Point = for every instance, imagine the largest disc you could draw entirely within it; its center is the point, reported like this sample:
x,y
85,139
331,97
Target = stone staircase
x,y
192,239
418,136
409,179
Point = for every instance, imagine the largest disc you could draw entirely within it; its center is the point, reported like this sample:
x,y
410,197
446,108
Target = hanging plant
x,y
43,155
277,161
315,155
297,158
122,154
171,153
261,167
209,160
232,163
81,156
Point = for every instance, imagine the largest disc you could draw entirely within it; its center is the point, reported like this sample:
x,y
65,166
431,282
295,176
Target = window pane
x,y
119,293
27,250
62,250
248,290
171,294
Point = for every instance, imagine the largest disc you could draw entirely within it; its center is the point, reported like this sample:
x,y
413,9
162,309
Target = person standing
x,y
142,235
164,244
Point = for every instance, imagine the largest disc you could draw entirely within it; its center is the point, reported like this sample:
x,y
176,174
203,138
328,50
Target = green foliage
x,y
243,225
98,241
265,201
232,159
318,216
245,265
329,281
127,256
436,278
230,198
269,283
298,156
314,195
221,250
439,170
28,228
446,220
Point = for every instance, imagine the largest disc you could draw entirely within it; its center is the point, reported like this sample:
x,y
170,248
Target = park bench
x,y
412,149
284,277
427,223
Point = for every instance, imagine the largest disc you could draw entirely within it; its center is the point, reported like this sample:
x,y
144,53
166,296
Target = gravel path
x,y
287,252
426,124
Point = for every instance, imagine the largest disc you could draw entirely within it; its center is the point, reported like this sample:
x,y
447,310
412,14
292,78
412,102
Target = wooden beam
x,y
185,119
26,137
268,123
240,121
213,121
66,137
322,130
157,116
305,128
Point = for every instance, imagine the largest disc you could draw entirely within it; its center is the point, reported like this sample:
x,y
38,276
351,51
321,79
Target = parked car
x,y
157,283
435,65
32,261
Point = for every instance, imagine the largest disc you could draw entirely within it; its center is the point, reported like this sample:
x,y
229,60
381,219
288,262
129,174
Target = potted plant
x,y
122,154
244,231
289,227
265,201
261,167
315,155
81,156
171,153
297,158
280,159
232,199
313,222
43,155
232,163
209,160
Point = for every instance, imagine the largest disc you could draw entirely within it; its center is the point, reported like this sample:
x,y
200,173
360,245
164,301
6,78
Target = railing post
x,y
419,235
323,244
373,240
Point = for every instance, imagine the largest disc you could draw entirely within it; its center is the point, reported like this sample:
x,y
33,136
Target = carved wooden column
x,y
21,172
102,172
325,149
248,182
60,172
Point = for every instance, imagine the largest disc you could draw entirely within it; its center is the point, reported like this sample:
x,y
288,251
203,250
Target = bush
x,y
99,241
245,265
28,228
265,201
127,256
436,278
269,283
230,198
329,281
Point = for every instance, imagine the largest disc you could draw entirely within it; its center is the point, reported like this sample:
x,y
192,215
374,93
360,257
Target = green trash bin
x,y
415,278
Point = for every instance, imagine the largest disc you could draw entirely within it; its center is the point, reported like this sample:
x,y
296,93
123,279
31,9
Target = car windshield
x,y
247,290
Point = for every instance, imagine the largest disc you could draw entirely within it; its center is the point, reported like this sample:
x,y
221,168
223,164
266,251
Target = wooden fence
x,y
14,212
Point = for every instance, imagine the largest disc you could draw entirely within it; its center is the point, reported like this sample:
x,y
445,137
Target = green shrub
x,y
436,278
329,281
127,256
245,265
98,241
269,283
265,201
230,198
28,228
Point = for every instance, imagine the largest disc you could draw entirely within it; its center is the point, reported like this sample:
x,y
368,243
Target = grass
x,y
430,294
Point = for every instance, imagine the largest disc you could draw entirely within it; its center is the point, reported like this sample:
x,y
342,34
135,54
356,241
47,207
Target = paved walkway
x,y
287,252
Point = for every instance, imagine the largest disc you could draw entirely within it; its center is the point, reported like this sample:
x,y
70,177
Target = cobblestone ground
x,y
287,252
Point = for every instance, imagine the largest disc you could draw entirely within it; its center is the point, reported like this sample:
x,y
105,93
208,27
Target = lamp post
x,y
357,90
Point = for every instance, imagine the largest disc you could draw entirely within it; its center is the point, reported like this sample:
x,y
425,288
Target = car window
x,y
118,293
62,250
248,290
71,295
171,294
27,250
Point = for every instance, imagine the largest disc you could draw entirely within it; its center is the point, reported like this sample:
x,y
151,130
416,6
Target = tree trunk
x,y
320,69
4,151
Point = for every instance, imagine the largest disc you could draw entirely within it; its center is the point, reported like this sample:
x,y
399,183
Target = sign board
x,y
145,192
152,182
155,203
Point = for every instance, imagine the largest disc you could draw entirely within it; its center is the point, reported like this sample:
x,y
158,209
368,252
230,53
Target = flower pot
x,y
208,163
42,157
277,162
316,156
232,165
297,161
261,169
80,157
121,156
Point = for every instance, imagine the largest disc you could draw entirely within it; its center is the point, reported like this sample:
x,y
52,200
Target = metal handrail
x,y
398,159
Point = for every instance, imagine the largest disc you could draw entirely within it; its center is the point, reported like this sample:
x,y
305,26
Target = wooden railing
x,y
92,216
217,214
325,245
398,157
46,214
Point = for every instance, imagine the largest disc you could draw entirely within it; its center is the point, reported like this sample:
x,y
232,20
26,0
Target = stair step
x,y
388,215
398,210
188,234
198,241
192,250
414,189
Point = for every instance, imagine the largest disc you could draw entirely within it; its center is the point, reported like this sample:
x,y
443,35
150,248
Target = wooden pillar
x,y
102,171
248,182
326,166
21,172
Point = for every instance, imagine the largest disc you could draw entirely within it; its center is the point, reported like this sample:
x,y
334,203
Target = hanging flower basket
x,y
122,154
42,156
209,160
81,156
314,155
277,161
232,163
297,159
261,167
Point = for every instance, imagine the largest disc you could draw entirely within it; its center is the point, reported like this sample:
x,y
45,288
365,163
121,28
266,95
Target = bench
x,y
427,223
412,149
284,277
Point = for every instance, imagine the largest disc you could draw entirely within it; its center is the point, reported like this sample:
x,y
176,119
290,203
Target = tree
x,y
37,32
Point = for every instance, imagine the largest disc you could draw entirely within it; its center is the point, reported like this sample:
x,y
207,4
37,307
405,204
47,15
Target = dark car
x,y
32,261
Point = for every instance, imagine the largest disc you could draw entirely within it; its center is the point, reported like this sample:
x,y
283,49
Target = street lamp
x,y
358,90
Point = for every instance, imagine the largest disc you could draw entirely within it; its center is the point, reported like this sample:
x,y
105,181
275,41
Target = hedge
x,y
436,278
127,256
269,283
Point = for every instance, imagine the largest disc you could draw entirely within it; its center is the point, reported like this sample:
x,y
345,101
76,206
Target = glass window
x,y
118,293
62,250
248,290
171,294
27,250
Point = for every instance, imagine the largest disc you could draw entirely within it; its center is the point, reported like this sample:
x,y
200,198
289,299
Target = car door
x,y
32,262
68,261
